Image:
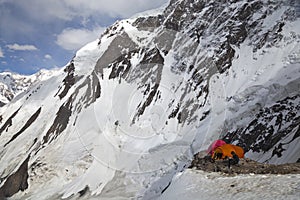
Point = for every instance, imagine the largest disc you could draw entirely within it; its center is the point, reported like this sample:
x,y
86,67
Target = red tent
x,y
214,145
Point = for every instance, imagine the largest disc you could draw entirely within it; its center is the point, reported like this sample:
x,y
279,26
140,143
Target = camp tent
x,y
214,145
226,149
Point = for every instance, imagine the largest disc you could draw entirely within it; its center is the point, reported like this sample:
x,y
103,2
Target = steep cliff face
x,y
131,109
272,134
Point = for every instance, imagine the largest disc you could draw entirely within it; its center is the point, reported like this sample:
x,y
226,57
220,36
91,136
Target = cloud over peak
x,y
67,9
36,29
73,39
17,47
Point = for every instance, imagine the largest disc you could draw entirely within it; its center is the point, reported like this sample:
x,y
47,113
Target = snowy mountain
x,y
130,110
12,84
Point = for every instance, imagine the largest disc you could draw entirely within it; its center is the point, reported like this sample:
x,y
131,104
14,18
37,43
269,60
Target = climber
x,y
234,160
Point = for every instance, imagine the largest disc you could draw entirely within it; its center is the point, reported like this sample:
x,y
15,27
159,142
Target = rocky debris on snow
x,y
245,166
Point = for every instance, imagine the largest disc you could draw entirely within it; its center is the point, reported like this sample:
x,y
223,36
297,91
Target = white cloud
x,y
47,56
1,53
73,39
17,47
48,10
114,8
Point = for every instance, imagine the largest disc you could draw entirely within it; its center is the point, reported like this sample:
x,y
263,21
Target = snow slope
x,y
12,84
130,110
193,184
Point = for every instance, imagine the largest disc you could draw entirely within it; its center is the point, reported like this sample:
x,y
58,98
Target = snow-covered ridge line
x,y
12,84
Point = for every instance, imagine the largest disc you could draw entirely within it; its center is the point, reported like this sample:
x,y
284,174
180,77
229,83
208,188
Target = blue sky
x,y
37,34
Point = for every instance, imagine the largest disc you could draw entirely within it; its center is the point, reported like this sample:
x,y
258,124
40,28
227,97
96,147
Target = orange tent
x,y
226,149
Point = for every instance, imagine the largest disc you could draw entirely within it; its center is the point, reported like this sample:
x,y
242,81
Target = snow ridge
x,y
12,84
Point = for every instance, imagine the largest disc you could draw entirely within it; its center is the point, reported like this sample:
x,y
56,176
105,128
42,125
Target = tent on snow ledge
x,y
225,151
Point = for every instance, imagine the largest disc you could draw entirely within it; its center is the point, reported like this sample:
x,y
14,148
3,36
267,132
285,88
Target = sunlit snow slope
x,y
130,109
12,84
191,185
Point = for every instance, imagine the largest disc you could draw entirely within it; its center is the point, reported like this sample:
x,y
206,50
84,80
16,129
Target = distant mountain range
x,y
12,84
